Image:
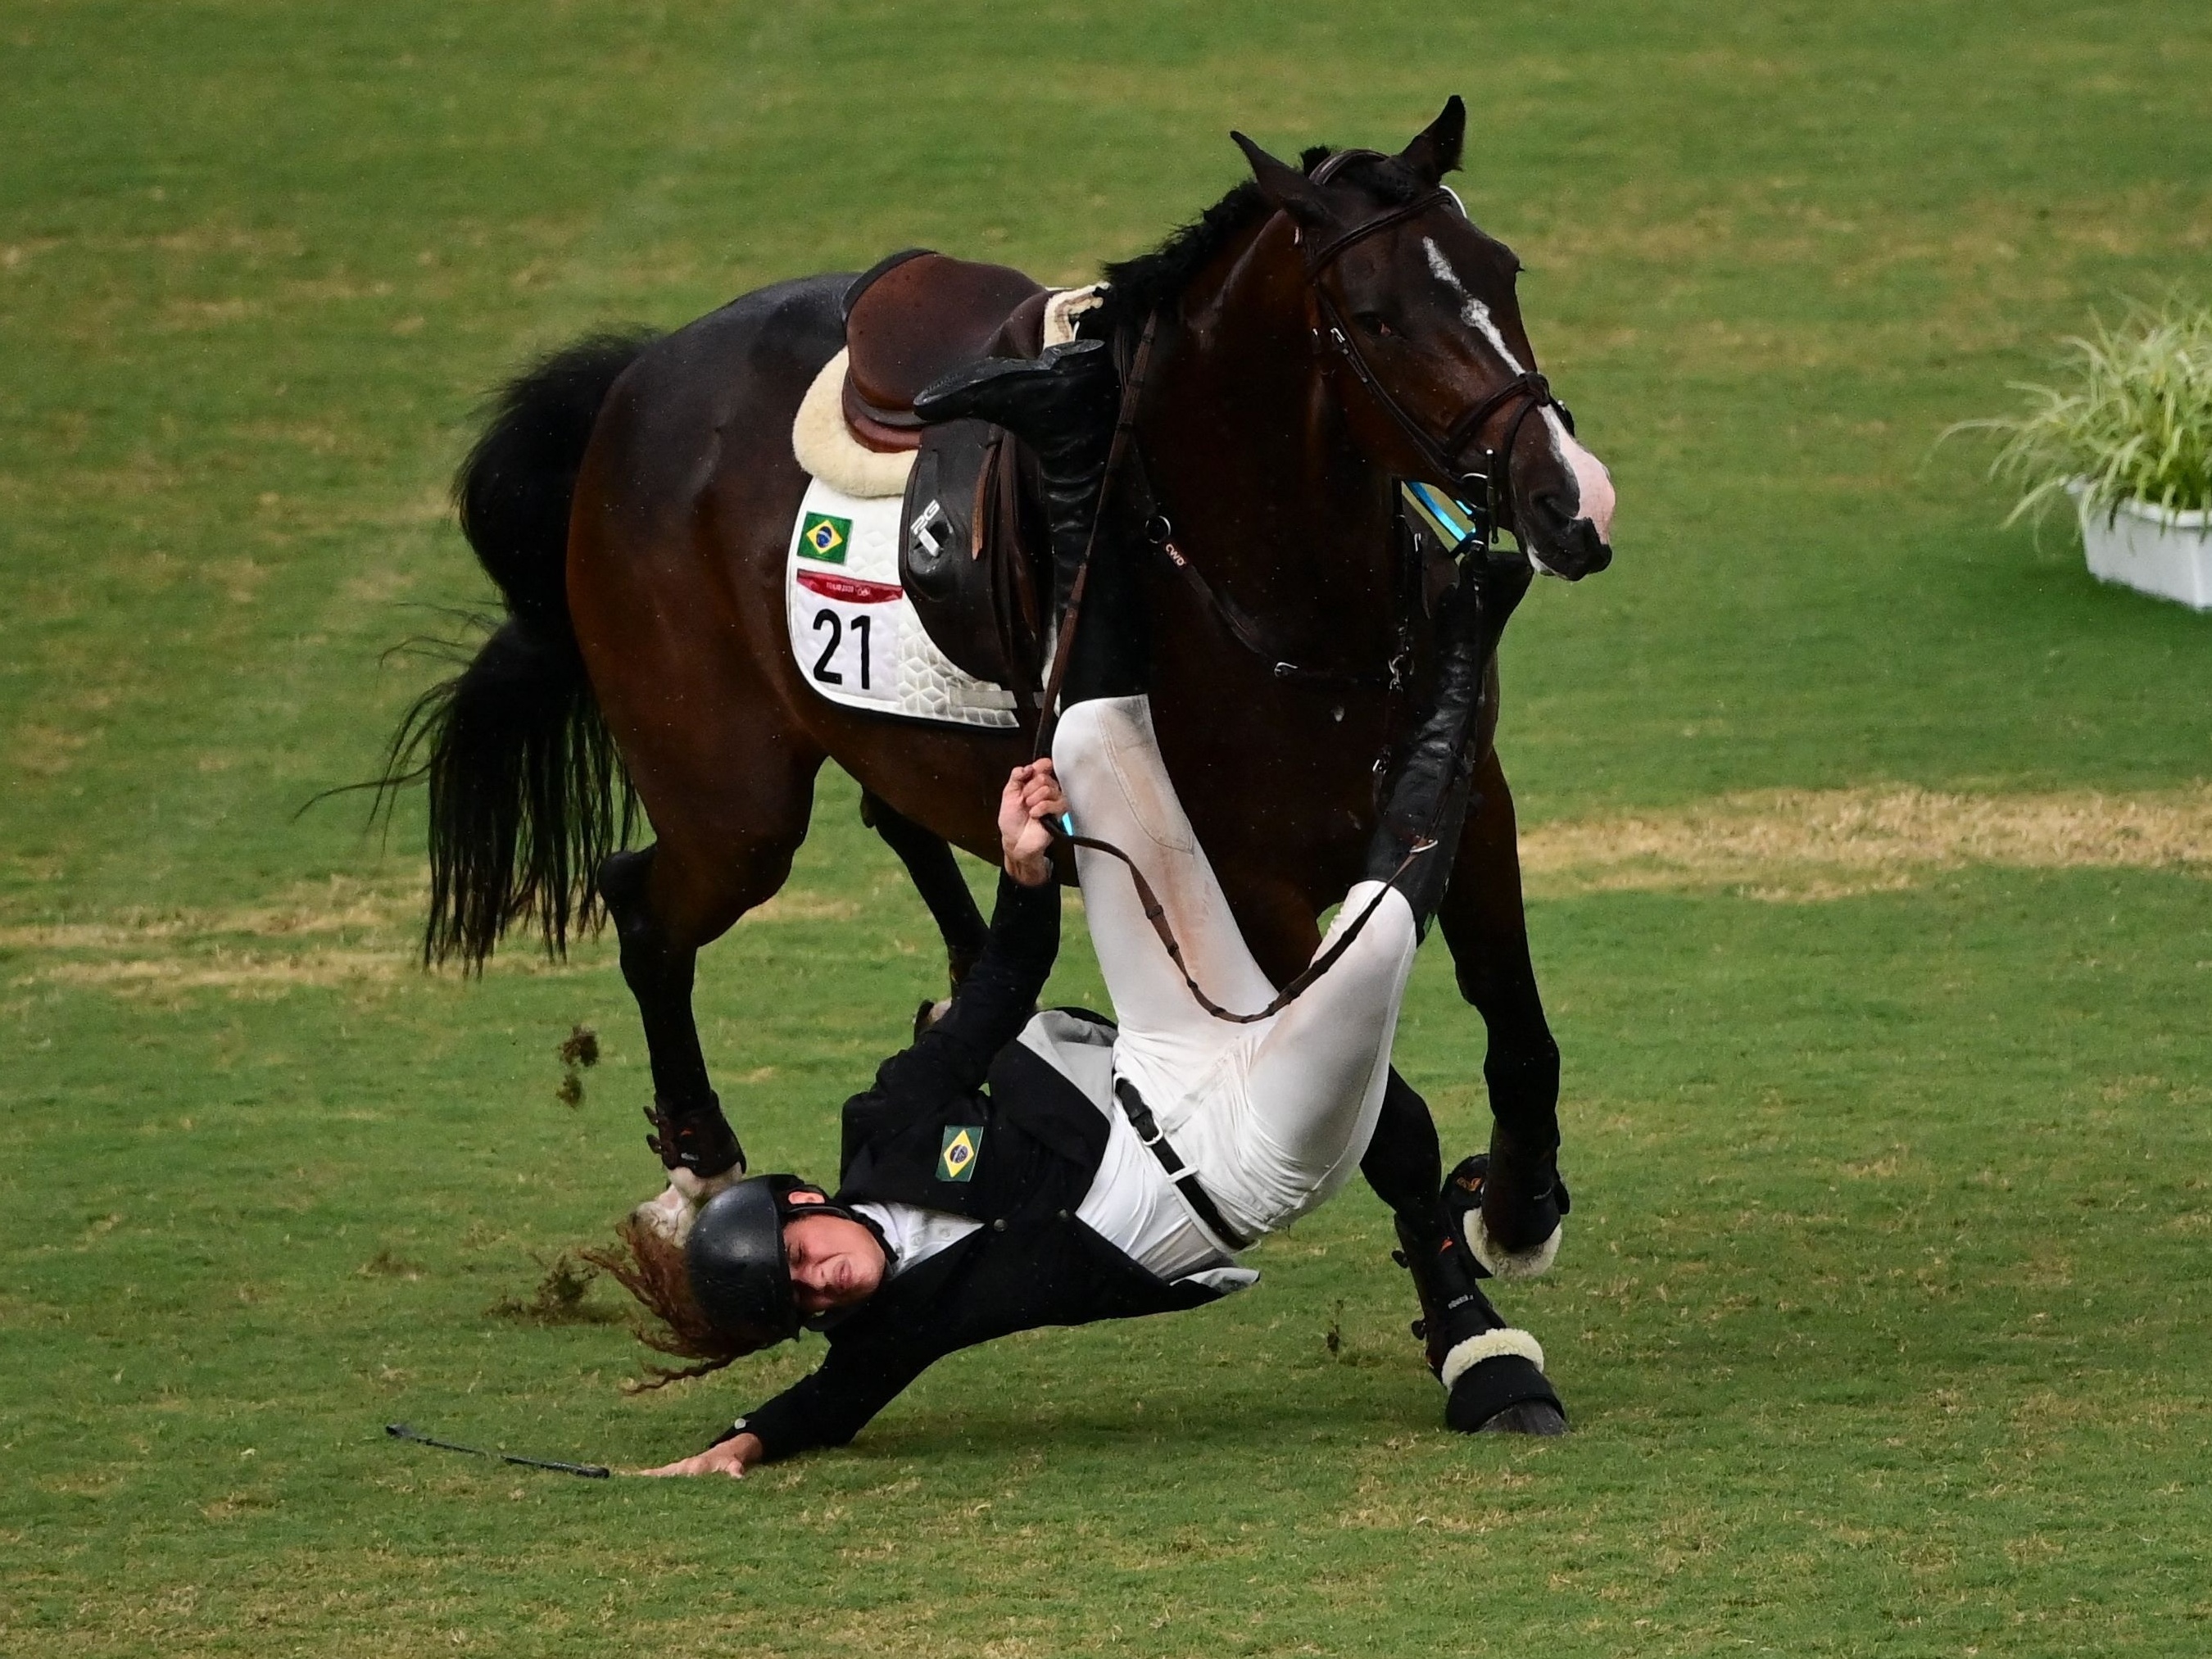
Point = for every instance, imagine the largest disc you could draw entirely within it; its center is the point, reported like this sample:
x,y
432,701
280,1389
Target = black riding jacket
x,y
1033,1140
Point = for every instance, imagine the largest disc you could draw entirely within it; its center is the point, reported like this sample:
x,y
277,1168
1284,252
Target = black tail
x,y
528,794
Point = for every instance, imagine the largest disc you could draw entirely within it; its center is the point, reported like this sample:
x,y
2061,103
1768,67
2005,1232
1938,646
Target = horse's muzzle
x,y
1568,548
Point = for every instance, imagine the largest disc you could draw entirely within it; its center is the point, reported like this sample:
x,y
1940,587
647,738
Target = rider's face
x,y
834,1262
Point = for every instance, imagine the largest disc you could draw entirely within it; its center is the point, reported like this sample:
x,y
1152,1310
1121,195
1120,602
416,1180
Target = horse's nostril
x,y
1555,509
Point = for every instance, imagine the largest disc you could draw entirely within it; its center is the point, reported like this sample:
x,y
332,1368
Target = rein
x,y
1156,913
1244,628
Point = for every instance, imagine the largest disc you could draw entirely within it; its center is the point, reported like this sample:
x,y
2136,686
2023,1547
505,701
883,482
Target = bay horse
x,y
633,499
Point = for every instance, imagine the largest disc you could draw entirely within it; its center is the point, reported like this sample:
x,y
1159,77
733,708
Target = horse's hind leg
x,y
936,874
708,868
687,1114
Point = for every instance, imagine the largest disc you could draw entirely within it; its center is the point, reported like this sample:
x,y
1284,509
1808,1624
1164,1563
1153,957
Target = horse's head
x,y
1414,309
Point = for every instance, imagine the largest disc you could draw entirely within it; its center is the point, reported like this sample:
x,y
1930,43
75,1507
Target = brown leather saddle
x,y
915,316
970,533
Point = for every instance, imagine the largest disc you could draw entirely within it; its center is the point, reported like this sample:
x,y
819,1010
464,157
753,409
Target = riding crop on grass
x,y
2133,423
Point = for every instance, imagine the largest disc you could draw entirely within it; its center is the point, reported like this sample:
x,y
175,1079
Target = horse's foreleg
x,y
1483,921
936,874
1405,1161
1492,1373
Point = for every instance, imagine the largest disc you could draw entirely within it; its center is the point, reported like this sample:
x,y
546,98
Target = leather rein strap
x,y
1156,913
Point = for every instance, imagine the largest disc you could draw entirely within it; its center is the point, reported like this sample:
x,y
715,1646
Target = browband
x,y
1327,254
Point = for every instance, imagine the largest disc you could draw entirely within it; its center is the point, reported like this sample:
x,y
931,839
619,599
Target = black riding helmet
x,y
739,1269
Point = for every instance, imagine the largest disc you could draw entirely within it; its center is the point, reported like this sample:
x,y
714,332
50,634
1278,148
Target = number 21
x,y
822,670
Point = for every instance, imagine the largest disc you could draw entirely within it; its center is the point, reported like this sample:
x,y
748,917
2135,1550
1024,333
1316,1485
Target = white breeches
x,y
1273,1116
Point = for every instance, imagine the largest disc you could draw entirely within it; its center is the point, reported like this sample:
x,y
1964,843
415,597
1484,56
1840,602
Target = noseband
x,y
1482,490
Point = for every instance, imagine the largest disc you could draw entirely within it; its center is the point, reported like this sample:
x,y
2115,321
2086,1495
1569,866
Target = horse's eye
x,y
1374,323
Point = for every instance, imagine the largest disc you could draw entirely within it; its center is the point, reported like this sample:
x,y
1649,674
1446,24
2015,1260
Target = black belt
x,y
1185,1177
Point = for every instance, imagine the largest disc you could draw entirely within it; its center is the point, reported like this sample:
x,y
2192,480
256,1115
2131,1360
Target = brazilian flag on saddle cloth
x,y
825,538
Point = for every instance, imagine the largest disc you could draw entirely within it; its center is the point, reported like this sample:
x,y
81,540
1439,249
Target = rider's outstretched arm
x,y
953,1056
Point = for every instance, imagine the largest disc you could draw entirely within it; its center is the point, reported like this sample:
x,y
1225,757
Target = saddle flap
x,y
966,554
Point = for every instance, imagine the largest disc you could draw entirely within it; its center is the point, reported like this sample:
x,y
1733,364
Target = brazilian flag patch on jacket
x,y
956,1159
825,537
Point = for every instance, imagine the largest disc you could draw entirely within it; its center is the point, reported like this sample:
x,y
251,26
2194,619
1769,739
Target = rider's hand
x,y
732,1457
1031,795
1041,795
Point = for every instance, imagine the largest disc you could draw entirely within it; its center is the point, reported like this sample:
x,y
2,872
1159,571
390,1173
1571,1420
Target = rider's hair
x,y
652,1268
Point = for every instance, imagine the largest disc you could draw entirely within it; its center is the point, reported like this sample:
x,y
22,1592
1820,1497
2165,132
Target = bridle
x,y
1482,494
1482,490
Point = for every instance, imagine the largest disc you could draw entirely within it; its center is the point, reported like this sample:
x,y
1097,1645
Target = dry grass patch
x,y
342,933
1802,846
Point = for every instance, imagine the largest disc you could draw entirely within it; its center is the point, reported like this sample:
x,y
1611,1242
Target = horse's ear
x,y
1283,186
1435,150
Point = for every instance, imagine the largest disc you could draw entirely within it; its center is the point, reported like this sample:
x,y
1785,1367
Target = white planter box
x,y
2150,550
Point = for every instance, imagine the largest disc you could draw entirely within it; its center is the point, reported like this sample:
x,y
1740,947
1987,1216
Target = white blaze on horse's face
x,y
1590,476
1593,484
1472,311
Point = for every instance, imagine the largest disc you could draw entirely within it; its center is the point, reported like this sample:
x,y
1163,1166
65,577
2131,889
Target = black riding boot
x,y
1425,802
1062,405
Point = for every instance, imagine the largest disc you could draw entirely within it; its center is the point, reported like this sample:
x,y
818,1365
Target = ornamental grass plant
x,y
2133,422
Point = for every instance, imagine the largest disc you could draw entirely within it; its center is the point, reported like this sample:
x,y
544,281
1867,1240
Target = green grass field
x,y
1880,1311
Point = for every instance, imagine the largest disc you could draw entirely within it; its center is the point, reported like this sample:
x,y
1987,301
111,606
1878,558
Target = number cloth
x,y
854,635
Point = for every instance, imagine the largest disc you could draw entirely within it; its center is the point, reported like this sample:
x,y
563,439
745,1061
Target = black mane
x,y
1150,282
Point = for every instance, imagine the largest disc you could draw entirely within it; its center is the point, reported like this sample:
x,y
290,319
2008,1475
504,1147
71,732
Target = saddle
x,y
917,315
971,535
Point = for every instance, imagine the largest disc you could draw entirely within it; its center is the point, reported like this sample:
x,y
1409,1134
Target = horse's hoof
x,y
1529,1417
667,1216
671,1215
1509,1264
1504,1390
1475,1195
1509,1209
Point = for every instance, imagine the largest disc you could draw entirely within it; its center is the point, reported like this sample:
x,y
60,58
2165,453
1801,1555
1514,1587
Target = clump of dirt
x,y
559,1299
387,1264
578,1052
